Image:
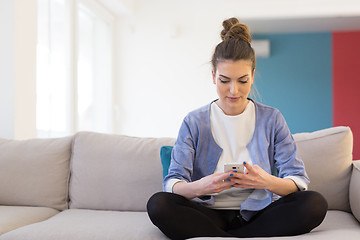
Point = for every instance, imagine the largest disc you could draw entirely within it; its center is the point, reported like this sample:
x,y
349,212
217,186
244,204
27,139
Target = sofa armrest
x,y
354,194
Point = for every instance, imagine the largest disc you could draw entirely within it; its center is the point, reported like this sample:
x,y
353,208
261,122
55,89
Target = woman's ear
x,y
213,76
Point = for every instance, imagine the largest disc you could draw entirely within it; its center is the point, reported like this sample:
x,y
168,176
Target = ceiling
x,y
305,24
263,16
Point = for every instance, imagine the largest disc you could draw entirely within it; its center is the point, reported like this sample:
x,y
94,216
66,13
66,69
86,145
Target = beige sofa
x,y
95,186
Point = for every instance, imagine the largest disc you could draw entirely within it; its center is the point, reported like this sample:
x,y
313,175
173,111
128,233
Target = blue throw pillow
x,y
165,155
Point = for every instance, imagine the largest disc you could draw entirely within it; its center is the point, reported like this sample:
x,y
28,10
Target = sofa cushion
x,y
336,225
354,194
81,224
13,217
35,172
113,172
327,155
165,154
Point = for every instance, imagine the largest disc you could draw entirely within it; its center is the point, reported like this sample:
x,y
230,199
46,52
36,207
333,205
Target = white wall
x,y
7,69
164,66
165,47
17,61
25,15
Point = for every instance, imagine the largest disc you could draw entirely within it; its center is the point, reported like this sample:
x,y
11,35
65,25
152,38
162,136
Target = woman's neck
x,y
232,111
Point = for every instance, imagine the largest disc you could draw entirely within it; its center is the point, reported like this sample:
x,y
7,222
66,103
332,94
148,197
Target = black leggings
x,y
180,218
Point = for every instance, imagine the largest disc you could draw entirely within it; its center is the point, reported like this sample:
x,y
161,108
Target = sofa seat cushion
x,y
113,172
80,224
13,217
338,220
336,225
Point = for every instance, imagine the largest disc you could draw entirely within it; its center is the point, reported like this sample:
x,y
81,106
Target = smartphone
x,y
229,167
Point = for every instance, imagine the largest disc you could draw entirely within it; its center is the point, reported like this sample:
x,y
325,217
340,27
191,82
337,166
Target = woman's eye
x,y
223,81
243,81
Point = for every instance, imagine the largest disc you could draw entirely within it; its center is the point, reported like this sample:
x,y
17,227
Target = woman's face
x,y
233,80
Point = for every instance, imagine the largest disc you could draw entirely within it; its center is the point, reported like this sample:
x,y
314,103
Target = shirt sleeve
x,y
170,184
182,157
287,161
300,183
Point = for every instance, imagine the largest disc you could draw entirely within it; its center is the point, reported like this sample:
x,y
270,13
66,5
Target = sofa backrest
x,y
35,172
327,155
113,172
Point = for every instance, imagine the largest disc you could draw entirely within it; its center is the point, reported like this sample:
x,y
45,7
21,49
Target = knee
x,y
315,206
158,204
317,203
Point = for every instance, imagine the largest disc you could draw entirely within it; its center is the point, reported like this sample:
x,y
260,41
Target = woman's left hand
x,y
257,178
254,177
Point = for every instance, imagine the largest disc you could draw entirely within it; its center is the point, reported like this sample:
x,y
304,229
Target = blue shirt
x,y
196,154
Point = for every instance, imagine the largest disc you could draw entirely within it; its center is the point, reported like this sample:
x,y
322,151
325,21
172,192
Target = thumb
x,y
248,167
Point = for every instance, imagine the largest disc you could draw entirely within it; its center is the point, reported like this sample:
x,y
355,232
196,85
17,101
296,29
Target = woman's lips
x,y
233,99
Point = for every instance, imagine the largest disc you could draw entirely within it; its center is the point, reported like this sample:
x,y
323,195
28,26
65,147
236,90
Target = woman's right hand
x,y
210,184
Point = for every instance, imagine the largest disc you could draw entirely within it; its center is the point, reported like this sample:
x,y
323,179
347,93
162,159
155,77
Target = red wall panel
x,y
346,83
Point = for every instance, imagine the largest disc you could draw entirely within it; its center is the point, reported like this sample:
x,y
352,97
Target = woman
x,y
268,198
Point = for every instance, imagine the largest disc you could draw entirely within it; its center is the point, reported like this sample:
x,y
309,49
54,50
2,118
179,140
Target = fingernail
x,y
234,171
231,175
244,163
232,186
228,179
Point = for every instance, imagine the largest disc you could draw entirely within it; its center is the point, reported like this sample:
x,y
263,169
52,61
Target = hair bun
x,y
236,30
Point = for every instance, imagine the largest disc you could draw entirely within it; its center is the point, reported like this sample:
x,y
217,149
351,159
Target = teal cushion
x,y
165,155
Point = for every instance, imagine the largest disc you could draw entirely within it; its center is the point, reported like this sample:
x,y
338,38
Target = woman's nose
x,y
234,88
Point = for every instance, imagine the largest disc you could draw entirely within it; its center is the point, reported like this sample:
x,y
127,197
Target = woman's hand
x,y
254,177
210,184
257,178
214,183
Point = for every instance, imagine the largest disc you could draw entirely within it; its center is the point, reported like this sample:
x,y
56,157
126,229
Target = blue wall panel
x,y
297,79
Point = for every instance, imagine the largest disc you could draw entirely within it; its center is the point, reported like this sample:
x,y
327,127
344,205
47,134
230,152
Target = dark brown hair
x,y
235,44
